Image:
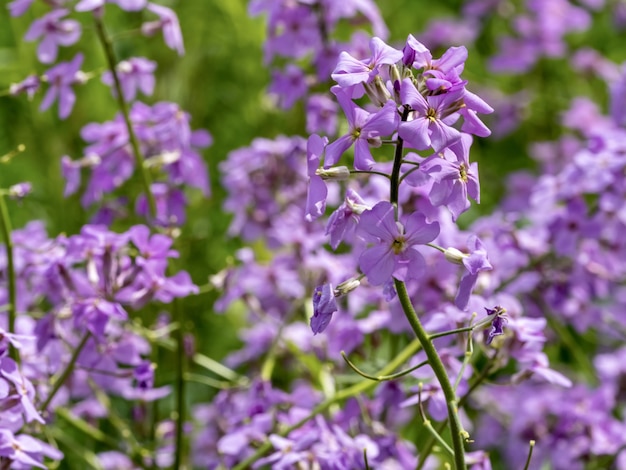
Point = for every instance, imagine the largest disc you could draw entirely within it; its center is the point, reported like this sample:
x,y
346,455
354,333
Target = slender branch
x,y
530,454
458,434
426,422
462,401
358,388
107,45
381,378
58,383
369,172
412,170
10,272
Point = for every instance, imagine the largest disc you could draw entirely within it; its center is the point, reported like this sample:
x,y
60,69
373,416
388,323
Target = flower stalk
x,y
10,272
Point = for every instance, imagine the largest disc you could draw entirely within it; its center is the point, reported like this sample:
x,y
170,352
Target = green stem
x,y
530,454
10,272
58,383
381,378
426,449
458,434
353,390
107,45
397,163
369,172
181,385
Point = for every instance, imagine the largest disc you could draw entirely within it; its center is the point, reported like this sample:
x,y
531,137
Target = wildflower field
x,y
313,234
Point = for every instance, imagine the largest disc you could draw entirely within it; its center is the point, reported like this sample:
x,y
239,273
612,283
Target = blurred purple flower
x,y
136,73
168,23
55,32
317,191
60,79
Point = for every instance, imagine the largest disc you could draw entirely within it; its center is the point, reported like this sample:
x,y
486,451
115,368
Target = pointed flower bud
x,y
338,173
347,287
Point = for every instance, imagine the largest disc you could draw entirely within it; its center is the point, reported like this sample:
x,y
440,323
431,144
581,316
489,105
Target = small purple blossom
x,y
168,23
351,71
429,126
60,80
135,74
365,129
54,32
497,324
324,305
394,253
317,191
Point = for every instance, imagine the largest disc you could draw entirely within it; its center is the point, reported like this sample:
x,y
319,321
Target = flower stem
x,y
58,383
10,272
458,435
107,45
397,163
181,385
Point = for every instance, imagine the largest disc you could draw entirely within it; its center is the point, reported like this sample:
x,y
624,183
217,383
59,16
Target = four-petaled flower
x,y
394,253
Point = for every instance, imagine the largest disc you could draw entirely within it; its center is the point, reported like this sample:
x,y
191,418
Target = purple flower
x,y
21,449
60,79
289,85
55,33
321,115
365,129
316,195
453,180
394,253
19,7
429,126
324,305
136,73
168,23
128,5
497,324
344,220
30,85
475,263
350,71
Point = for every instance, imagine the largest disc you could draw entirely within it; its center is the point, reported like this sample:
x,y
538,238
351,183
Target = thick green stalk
x,y
356,389
458,435
10,272
107,45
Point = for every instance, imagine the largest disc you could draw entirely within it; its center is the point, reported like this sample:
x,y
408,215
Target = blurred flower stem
x,y
10,272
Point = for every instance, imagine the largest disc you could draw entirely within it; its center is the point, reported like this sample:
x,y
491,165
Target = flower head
x,y
394,253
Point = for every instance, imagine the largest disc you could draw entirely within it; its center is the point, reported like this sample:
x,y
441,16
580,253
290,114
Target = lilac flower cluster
x,y
421,111
239,420
89,283
165,138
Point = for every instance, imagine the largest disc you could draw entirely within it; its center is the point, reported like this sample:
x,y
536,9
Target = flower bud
x,y
338,173
347,287
454,256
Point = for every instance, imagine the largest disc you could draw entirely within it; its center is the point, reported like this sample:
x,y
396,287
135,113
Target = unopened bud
x,y
377,91
454,256
165,158
347,287
20,190
338,173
